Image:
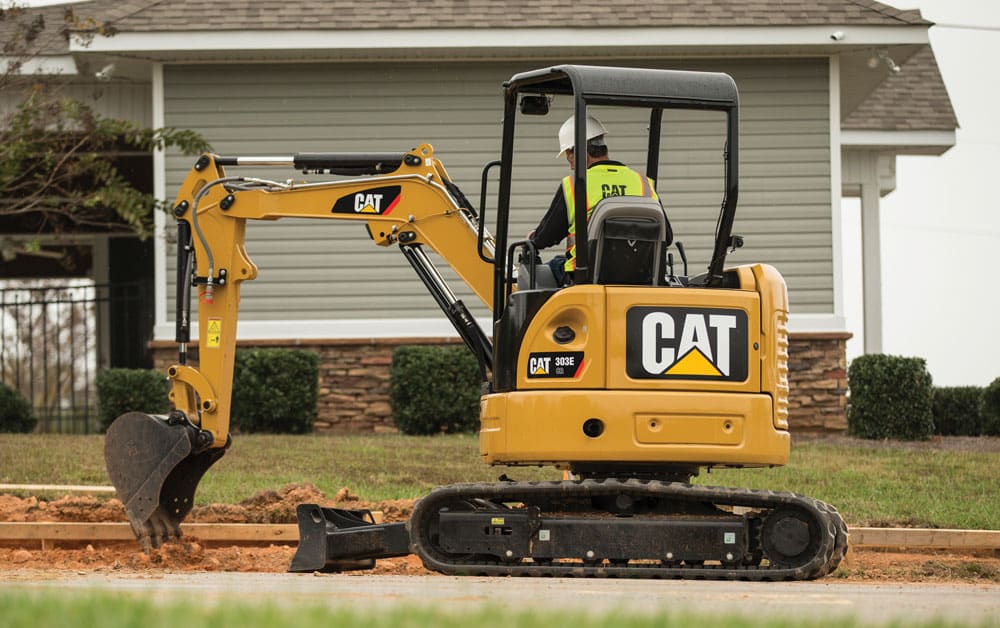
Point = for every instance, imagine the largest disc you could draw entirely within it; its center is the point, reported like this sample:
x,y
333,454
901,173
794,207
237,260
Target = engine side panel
x,y
539,427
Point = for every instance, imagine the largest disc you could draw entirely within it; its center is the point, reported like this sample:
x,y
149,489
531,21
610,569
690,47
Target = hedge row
x,y
434,390
893,397
15,411
274,391
890,397
431,390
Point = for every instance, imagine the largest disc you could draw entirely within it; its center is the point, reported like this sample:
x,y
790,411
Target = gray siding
x,y
126,100
324,270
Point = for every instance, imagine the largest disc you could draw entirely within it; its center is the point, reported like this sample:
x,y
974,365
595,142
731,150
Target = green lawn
x,y
888,485
19,609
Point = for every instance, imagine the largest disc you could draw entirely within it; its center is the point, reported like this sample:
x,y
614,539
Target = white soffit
x,y
47,65
877,139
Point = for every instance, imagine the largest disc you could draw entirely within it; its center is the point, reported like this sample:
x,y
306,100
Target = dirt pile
x,y
264,507
279,506
70,508
189,554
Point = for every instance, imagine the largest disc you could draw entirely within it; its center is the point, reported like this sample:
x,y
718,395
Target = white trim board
x,y
160,192
836,183
859,139
421,328
758,37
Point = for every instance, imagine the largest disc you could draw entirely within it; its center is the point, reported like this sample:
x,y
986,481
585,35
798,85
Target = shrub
x,y
15,411
990,409
434,389
957,410
275,391
890,397
130,390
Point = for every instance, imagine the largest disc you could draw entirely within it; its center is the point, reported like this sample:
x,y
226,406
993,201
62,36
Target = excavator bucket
x,y
155,464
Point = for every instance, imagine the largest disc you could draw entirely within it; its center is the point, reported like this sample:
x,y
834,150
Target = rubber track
x,y
830,551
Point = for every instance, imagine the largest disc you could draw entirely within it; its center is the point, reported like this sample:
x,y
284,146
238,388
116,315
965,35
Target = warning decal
x,y
213,339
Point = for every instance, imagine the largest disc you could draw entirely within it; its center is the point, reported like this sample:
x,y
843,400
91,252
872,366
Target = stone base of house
x,y
817,379
354,379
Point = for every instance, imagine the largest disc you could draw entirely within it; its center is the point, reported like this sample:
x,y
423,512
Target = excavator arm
x,y
404,199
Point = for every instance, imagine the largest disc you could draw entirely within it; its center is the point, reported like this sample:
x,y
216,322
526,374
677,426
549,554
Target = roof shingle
x,y
189,15
915,99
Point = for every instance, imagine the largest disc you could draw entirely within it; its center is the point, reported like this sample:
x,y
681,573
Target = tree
x,y
57,174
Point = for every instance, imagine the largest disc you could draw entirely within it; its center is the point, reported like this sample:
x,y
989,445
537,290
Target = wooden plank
x,y
26,531
111,531
70,488
925,538
236,532
916,538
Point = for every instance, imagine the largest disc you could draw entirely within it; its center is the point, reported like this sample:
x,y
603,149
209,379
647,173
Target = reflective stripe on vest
x,y
603,181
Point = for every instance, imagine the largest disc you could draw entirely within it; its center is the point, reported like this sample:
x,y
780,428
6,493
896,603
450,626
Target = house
x,y
831,91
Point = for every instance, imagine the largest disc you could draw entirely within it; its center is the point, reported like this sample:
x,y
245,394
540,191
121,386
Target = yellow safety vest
x,y
603,180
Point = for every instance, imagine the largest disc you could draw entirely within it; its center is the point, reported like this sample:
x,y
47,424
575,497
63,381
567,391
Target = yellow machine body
x,y
691,413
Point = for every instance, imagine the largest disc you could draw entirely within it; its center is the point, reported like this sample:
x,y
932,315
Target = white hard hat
x,y
594,129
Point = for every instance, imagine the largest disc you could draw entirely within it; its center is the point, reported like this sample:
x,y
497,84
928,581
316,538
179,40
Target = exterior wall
x,y
323,270
126,100
354,380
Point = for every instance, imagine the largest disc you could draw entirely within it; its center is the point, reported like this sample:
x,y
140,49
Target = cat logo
x,y
539,365
379,201
368,203
686,343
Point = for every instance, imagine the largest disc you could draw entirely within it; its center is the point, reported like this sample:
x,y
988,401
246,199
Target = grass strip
x,y
104,610
886,486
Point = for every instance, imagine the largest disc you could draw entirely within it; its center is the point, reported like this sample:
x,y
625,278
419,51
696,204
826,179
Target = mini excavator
x,y
631,380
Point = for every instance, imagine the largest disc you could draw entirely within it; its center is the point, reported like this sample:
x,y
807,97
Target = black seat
x,y
627,237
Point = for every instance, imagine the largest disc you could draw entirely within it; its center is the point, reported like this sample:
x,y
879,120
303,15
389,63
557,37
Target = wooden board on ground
x,y
62,488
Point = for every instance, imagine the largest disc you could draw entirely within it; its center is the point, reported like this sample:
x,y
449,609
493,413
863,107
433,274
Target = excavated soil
x,y
190,554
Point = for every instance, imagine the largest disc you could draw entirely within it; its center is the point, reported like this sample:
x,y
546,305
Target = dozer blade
x,y
333,539
155,464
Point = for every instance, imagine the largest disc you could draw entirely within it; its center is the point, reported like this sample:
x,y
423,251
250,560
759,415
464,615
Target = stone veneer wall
x,y
817,379
354,379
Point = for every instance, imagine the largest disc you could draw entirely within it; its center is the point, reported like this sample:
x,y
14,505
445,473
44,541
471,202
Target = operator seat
x,y
628,237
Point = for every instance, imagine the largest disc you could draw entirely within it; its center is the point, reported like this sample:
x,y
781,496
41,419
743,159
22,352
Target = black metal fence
x,y
53,341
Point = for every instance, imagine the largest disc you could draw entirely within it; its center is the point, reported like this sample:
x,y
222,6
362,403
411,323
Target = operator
x,y
604,178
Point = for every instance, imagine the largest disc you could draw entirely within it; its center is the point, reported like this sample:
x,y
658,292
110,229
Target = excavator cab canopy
x,y
652,89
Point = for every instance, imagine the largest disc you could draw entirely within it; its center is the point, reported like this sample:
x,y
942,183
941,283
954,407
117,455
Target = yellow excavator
x,y
631,380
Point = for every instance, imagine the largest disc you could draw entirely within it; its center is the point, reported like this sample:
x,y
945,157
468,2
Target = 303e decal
x,y
568,364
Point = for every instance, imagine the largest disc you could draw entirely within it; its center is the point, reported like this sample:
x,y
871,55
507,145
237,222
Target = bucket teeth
x,y
155,469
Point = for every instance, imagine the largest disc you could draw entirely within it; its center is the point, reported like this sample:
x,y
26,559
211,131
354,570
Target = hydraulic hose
x,y
197,228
